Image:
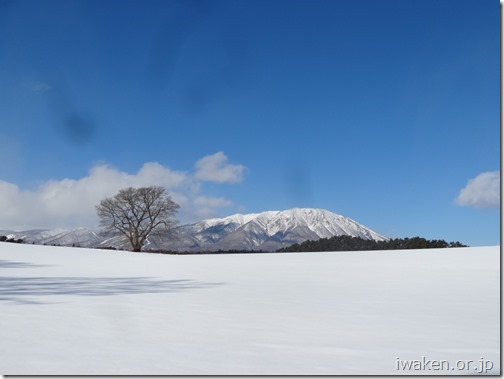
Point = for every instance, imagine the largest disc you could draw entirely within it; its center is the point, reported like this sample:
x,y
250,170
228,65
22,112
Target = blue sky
x,y
387,112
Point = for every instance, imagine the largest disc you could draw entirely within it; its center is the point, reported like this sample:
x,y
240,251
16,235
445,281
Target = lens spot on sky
x,y
79,128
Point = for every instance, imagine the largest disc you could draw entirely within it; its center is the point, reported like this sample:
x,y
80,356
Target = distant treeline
x,y
337,243
176,252
232,251
348,243
5,239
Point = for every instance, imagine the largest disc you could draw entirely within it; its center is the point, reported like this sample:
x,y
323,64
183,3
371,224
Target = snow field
x,y
78,311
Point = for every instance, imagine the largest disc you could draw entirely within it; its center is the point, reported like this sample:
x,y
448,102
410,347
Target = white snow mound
x,y
69,311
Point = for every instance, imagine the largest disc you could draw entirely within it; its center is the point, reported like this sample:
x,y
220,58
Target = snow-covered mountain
x,y
80,237
265,231
269,230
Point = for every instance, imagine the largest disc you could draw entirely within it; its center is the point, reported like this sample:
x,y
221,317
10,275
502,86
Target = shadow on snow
x,y
14,264
23,289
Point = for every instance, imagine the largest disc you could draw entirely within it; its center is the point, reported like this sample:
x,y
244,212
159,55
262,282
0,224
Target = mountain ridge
x,y
267,231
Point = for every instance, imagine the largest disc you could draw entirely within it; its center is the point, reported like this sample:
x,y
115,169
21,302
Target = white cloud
x,y
207,207
481,192
71,203
215,168
214,202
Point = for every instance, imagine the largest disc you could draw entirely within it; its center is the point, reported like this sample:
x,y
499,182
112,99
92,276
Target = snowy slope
x,y
78,311
80,237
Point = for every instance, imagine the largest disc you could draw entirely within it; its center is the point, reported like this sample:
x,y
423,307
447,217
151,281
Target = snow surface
x,y
70,311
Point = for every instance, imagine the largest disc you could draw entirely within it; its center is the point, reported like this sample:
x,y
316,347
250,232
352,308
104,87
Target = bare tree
x,y
138,213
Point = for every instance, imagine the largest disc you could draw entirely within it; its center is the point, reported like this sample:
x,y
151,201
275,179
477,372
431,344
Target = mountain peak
x,y
267,231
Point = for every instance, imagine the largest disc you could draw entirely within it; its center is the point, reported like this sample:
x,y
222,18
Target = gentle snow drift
x,y
77,311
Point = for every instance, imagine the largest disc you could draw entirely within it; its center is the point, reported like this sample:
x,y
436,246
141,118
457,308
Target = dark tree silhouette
x,y
349,243
138,213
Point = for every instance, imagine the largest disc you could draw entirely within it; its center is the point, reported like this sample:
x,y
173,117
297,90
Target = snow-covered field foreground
x,y
77,311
